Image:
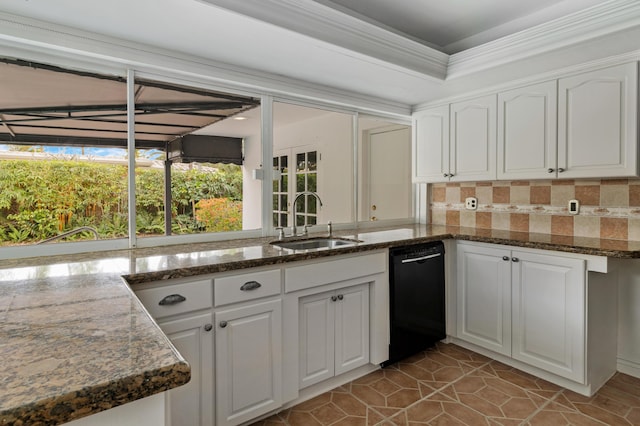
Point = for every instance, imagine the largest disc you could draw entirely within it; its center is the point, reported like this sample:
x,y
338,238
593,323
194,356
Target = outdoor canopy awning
x,y
46,105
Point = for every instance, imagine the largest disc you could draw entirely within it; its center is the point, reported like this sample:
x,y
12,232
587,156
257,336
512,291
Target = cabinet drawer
x,y
240,288
168,300
332,271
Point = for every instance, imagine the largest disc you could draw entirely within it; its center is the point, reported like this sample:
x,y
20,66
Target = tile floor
x,y
450,385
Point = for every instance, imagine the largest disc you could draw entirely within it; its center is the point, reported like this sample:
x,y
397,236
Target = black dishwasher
x,y
417,301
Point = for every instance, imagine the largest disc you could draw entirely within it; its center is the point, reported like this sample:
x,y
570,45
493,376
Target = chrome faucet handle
x,y
330,229
305,230
280,233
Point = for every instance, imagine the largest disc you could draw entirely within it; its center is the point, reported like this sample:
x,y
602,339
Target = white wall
x,y
331,134
252,188
367,126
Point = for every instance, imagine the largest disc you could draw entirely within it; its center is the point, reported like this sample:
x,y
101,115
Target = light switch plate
x,y
574,206
471,203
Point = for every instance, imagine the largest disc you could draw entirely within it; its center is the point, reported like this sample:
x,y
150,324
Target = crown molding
x,y
31,39
316,20
625,58
332,26
589,24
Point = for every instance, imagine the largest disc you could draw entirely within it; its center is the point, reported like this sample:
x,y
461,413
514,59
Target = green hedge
x,y
40,199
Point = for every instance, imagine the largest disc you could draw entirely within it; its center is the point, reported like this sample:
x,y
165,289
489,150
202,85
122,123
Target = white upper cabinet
x,y
431,145
473,140
527,132
582,126
597,123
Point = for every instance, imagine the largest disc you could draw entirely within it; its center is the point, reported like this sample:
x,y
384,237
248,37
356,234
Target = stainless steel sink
x,y
314,243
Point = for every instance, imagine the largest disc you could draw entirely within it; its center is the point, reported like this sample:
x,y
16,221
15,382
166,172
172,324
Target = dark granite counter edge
x,y
620,254
94,399
145,277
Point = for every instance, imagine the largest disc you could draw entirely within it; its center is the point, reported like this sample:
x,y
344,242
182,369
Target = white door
x,y
351,328
527,132
473,139
316,325
390,174
192,404
549,313
431,145
597,116
248,362
484,297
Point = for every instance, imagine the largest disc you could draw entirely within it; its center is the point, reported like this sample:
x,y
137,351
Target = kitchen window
x,y
71,128
313,152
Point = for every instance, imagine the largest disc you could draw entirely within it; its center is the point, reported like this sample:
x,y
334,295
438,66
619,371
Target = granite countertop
x,y
75,340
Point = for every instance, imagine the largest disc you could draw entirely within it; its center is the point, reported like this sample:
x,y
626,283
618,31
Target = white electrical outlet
x,y
574,206
471,203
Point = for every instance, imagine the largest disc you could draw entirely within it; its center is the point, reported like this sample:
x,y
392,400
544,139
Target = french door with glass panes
x,y
296,172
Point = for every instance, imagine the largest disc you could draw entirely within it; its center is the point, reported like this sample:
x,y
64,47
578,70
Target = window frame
x,y
196,79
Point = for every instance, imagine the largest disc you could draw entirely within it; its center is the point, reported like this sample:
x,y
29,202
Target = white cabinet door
x,y
317,313
484,297
473,139
334,333
352,328
431,145
248,362
597,119
192,404
549,313
527,132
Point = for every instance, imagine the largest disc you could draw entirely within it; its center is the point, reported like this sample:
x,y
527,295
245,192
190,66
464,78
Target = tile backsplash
x,y
609,208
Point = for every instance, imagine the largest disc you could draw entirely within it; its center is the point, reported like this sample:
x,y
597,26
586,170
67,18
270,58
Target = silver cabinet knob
x,y
551,170
334,298
560,170
340,297
505,258
208,327
223,324
515,259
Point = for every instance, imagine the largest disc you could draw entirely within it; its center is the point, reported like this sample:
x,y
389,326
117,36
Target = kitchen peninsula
x,y
77,341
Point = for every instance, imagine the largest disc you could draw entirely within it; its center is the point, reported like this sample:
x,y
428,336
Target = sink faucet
x,y
293,209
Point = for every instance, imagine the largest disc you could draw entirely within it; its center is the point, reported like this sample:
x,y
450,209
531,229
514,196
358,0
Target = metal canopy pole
x,y
131,153
167,192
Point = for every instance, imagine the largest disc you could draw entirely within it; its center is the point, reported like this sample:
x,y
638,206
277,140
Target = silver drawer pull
x,y
172,299
418,259
250,285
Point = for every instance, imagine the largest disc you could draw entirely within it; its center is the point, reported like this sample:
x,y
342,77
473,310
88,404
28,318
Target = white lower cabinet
x,y
182,308
334,333
528,306
192,404
248,361
484,297
548,313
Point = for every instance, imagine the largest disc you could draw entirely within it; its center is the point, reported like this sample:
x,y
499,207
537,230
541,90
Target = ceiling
x,y
385,55
451,26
